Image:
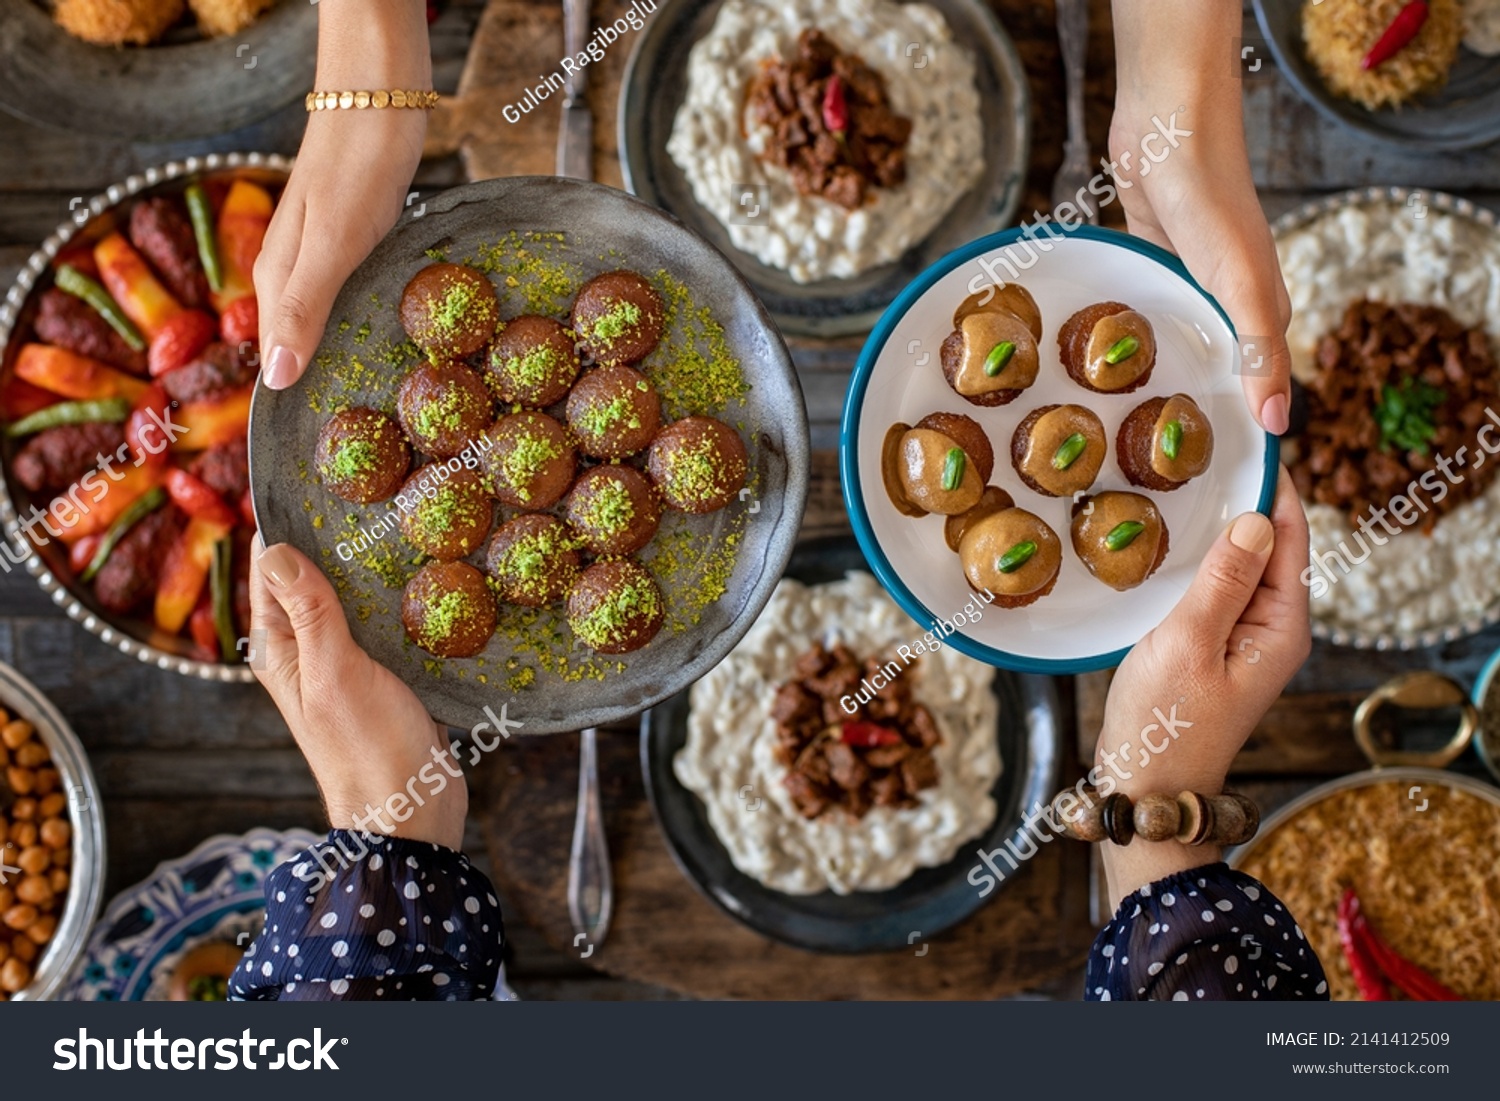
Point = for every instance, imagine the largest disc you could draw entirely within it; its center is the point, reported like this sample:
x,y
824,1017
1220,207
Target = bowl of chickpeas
x,y
51,844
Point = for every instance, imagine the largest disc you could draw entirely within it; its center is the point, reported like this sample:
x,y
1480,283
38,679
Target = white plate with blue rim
x,y
1082,624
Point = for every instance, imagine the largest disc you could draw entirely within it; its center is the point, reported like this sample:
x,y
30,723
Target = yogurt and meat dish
x,y
128,399
579,465
858,154
1382,298
860,789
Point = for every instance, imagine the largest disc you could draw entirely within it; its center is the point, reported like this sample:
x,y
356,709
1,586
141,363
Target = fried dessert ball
x,y
615,606
362,456
449,311
531,461
1013,554
117,22
1058,449
445,514
698,464
534,559
443,407
939,465
1165,443
1108,348
618,317
1120,537
532,362
991,356
613,509
614,412
448,610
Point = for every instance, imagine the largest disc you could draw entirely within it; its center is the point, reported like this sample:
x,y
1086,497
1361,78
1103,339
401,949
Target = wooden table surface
x,y
179,760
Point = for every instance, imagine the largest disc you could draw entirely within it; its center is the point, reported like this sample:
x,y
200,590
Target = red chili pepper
x,y
1395,38
1413,981
1367,976
197,498
143,431
835,107
868,735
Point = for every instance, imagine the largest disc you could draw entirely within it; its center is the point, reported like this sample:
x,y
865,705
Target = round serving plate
x,y
655,85
48,564
164,92
1082,624
216,892
86,884
931,899
595,229
1485,222
1463,114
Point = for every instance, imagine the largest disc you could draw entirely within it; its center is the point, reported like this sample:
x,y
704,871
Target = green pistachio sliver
x,y
1067,454
999,356
1121,350
953,468
1123,534
1018,555
1171,439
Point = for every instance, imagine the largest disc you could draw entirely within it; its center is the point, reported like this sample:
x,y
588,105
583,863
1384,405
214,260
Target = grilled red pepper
x,y
1367,976
179,341
201,626
869,735
185,572
241,321
197,498
143,431
1395,38
1412,980
835,108
81,553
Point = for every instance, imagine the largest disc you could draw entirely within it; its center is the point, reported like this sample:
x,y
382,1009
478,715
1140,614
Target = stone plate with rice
x,y
538,239
1441,91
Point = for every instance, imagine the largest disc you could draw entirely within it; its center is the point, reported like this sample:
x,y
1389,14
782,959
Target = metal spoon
x,y
1077,168
590,886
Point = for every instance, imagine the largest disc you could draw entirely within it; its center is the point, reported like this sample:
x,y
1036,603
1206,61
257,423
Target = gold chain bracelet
x,y
344,101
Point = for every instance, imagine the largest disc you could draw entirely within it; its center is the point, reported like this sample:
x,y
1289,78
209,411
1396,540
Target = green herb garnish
x,y
1405,415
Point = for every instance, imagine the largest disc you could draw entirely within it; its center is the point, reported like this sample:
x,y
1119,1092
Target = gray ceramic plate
x,y
586,228
1463,114
655,86
187,89
931,899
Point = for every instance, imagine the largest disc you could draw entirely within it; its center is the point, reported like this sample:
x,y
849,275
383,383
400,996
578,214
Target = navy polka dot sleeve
x,y
1205,934
367,917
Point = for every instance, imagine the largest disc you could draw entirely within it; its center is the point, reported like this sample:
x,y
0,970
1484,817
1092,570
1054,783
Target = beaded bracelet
x,y
1189,818
344,101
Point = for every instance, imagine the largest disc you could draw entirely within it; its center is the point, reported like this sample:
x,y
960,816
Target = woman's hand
x,y
364,733
1187,696
1176,62
350,181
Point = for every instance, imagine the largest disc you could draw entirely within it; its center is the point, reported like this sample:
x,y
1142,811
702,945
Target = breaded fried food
x,y
217,17
117,22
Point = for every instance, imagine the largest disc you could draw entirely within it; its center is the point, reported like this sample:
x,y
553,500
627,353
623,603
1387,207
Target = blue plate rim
x,y
854,400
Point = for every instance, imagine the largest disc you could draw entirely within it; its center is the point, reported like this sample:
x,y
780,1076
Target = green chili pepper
x,y
137,511
999,356
1068,453
202,214
70,279
953,468
1018,555
1121,350
221,591
104,410
1123,534
1171,439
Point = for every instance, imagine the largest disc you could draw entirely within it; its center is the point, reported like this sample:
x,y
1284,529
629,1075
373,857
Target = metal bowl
x,y
134,638
22,699
1486,222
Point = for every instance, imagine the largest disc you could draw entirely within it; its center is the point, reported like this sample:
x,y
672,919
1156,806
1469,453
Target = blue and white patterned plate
x,y
215,892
